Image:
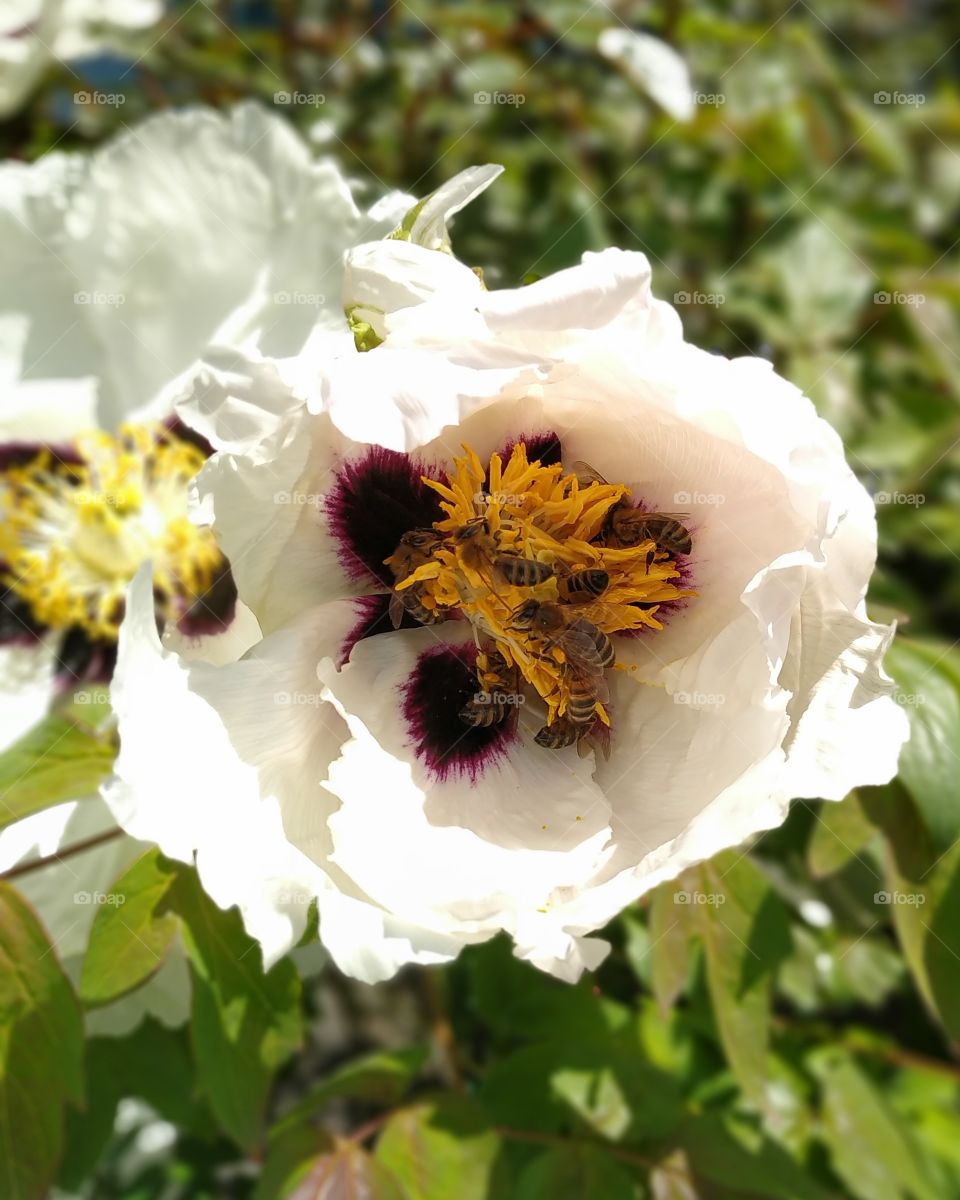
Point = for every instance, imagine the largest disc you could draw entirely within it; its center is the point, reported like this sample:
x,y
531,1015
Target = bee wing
x,y
674,516
585,473
582,653
395,609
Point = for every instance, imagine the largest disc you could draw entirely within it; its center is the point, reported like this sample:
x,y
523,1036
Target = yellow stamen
x,y
73,535
541,513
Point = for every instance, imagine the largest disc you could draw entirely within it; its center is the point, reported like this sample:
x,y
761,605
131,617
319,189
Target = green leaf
x,y
130,937
152,1063
41,1052
928,686
244,1023
57,760
575,1173
670,929
868,1146
840,832
440,1150
382,1078
348,1173
744,1163
745,936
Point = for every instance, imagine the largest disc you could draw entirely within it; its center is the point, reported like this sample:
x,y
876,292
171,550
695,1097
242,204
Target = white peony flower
x,y
34,34
580,701
119,268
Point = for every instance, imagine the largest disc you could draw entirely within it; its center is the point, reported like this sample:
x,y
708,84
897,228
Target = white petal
x,y
653,66
429,226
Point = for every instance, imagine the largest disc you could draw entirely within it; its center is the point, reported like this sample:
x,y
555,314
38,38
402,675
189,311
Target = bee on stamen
x,y
415,548
629,526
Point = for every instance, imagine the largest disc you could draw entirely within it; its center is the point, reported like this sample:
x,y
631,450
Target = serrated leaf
x,y
869,1150
41,1052
57,760
745,936
439,1150
132,933
575,1173
244,1023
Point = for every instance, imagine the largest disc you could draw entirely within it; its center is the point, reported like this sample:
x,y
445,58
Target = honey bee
x,y
497,698
480,550
586,584
588,650
563,733
629,526
414,549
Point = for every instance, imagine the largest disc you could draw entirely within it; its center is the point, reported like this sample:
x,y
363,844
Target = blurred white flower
x,y
405,776
34,34
118,268
653,66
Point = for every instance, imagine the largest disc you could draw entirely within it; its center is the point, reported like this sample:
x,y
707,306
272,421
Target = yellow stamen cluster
x,y
73,535
542,513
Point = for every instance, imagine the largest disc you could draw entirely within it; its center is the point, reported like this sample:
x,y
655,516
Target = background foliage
x,y
780,1023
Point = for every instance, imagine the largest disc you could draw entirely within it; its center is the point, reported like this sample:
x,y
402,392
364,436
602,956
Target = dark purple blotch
x,y
441,683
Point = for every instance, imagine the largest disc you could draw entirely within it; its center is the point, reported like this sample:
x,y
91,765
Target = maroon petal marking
x,y
18,627
18,454
374,501
184,433
81,659
544,448
372,618
441,683
213,612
